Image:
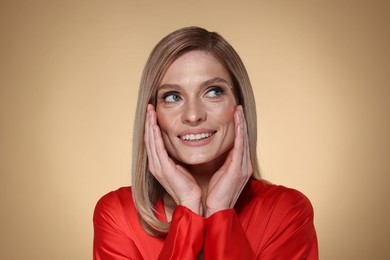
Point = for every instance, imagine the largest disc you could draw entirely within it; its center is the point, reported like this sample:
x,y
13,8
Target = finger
x,y
247,164
160,150
154,159
153,131
239,138
147,138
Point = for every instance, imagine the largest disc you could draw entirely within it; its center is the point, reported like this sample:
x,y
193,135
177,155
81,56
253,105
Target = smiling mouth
x,y
196,137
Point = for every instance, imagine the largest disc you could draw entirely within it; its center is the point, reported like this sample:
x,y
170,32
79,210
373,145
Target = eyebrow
x,y
215,80
205,83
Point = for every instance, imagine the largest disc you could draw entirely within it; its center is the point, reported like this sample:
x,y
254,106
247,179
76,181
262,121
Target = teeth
x,y
195,137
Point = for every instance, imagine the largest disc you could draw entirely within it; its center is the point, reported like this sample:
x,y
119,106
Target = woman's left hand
x,y
227,183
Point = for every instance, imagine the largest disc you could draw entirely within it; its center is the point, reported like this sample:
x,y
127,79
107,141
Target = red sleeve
x,y
290,228
225,238
185,236
116,236
110,240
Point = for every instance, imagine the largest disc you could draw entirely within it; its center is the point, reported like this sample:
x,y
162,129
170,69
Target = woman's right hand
x,y
176,180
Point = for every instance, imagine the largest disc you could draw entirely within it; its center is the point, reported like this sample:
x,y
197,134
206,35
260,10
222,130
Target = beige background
x,y
69,72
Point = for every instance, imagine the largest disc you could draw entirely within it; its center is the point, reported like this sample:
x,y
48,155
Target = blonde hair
x,y
146,189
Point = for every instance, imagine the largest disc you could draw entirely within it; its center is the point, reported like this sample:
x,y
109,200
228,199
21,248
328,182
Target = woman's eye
x,y
171,97
214,92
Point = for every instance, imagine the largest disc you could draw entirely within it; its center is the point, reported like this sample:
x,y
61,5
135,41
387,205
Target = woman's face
x,y
195,108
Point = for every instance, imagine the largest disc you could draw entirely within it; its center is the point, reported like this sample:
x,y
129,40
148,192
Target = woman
x,y
196,191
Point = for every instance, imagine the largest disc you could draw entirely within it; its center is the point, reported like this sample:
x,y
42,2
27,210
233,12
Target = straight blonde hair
x,y
145,188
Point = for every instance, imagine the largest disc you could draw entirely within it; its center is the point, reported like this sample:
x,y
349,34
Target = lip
x,y
200,142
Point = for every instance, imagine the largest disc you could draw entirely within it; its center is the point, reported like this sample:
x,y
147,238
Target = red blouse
x,y
268,222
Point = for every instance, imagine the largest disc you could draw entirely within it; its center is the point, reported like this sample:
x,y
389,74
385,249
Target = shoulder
x,y
115,198
277,198
263,189
114,205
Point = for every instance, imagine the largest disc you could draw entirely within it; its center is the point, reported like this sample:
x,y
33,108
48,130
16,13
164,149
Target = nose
x,y
193,113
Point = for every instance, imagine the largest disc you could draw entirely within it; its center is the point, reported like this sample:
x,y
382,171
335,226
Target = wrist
x,y
194,206
210,211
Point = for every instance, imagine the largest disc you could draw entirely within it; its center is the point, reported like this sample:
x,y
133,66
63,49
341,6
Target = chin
x,y
201,158
195,160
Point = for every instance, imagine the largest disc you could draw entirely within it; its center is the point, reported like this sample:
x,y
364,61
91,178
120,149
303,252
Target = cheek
x,y
225,114
166,120
162,120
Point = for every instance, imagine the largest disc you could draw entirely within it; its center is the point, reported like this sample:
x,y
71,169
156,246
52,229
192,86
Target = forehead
x,y
195,66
